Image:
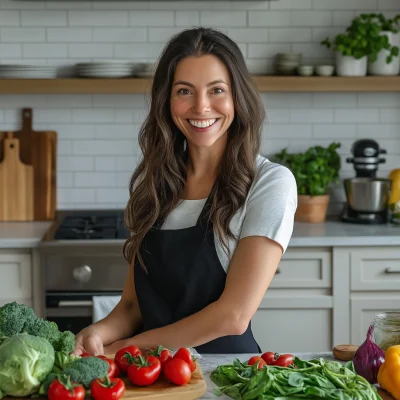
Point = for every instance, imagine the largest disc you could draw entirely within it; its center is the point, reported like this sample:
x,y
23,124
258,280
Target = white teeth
x,y
203,123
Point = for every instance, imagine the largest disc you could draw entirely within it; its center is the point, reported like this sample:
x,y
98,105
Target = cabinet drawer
x,y
304,268
375,269
16,282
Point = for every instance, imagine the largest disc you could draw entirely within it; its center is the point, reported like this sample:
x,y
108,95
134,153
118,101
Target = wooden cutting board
x,y
39,149
161,389
16,184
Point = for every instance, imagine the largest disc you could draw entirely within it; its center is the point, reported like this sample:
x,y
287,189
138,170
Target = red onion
x,y
368,358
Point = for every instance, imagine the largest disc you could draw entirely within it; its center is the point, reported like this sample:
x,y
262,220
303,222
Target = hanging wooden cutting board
x,y
39,149
16,184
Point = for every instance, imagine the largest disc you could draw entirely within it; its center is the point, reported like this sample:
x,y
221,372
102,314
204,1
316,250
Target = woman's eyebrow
x,y
191,84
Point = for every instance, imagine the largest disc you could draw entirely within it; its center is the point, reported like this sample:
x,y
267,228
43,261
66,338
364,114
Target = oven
x,y
81,258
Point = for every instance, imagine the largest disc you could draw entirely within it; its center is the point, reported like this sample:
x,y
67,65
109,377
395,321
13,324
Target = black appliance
x,y
366,160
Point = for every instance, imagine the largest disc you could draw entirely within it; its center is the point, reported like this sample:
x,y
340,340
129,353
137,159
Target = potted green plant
x,y
383,58
314,170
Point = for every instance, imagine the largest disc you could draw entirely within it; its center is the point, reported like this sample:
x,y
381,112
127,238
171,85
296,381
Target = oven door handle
x,y
77,303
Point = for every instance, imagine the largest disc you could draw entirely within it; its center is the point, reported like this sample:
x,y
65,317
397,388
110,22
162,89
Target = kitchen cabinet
x,y
296,313
21,278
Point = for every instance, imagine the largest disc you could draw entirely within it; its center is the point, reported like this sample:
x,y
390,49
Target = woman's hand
x,y
89,341
112,348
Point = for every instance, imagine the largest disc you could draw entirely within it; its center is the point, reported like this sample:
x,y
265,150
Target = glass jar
x,y
387,329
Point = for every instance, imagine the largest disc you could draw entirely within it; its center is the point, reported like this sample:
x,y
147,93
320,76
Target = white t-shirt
x,y
268,211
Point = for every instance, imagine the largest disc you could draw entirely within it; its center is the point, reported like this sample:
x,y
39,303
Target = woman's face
x,y
201,101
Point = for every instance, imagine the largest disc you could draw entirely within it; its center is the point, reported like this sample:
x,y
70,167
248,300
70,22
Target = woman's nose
x,y
201,103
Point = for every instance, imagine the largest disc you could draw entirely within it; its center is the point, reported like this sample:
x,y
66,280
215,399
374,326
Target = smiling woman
x,y
209,217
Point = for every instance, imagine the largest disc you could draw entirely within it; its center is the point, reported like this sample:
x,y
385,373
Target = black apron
x,y
184,276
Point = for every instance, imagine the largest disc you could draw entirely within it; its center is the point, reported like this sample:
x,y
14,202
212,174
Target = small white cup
x,y
305,70
325,70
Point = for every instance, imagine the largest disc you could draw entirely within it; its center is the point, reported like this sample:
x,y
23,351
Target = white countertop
x,y
329,233
22,234
208,362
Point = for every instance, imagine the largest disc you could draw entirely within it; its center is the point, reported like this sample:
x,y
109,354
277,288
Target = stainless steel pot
x,y
367,194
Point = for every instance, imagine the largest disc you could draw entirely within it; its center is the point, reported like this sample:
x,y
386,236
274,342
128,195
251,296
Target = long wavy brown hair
x,y
158,182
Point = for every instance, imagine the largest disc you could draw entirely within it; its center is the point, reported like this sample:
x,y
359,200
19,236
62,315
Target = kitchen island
x,y
209,362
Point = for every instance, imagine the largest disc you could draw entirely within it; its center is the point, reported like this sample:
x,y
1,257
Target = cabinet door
x,y
16,278
293,330
363,311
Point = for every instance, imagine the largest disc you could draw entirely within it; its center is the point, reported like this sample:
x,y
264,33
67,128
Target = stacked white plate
x,y
105,69
11,71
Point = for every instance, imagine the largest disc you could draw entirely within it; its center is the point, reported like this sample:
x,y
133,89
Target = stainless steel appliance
x,y
82,257
367,196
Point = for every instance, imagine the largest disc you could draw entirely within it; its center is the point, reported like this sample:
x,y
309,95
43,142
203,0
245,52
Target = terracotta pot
x,y
311,208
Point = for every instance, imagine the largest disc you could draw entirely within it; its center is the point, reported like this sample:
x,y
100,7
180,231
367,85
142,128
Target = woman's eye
x,y
217,90
183,91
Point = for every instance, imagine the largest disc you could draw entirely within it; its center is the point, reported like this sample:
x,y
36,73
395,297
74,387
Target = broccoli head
x,y
85,370
65,343
13,317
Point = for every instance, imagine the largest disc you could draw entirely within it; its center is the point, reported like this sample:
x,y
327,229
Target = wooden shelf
x,y
140,85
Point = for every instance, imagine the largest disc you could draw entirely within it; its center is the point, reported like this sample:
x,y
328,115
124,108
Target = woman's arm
x,y
122,322
250,272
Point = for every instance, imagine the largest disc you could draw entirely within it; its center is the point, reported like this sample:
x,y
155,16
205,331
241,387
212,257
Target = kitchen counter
x,y
209,362
329,233
22,234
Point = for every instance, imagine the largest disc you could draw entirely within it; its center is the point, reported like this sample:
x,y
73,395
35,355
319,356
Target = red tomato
x,y
161,353
257,360
86,355
144,371
268,357
184,354
113,370
65,390
283,360
125,356
107,389
177,371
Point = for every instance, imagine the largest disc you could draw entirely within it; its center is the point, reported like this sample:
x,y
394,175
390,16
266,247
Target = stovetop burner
x,y
87,225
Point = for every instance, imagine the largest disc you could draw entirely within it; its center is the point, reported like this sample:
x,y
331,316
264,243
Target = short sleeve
x,y
271,204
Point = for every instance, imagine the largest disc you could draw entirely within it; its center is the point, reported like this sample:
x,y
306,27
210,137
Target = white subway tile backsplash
x,y
73,164
67,35
45,50
187,18
9,18
357,115
289,35
269,18
344,4
119,35
151,18
23,35
98,134
43,18
97,18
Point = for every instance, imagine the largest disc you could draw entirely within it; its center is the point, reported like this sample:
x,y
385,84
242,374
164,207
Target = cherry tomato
x,y
283,360
86,355
63,389
184,354
124,357
144,370
257,360
162,353
268,357
107,389
177,371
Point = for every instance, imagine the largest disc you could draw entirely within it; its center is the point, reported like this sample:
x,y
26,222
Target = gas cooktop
x,y
89,225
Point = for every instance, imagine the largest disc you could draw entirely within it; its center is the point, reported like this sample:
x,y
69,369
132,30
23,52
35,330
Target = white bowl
x,y
324,70
305,70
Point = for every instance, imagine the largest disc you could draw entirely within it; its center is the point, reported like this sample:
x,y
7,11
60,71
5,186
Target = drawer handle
x,y
278,271
77,303
392,271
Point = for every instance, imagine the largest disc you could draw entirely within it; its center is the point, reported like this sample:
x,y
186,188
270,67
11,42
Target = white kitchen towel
x,y
103,305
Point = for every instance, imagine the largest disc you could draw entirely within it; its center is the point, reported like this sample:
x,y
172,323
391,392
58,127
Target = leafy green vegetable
x,y
81,370
314,379
62,360
25,361
16,318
